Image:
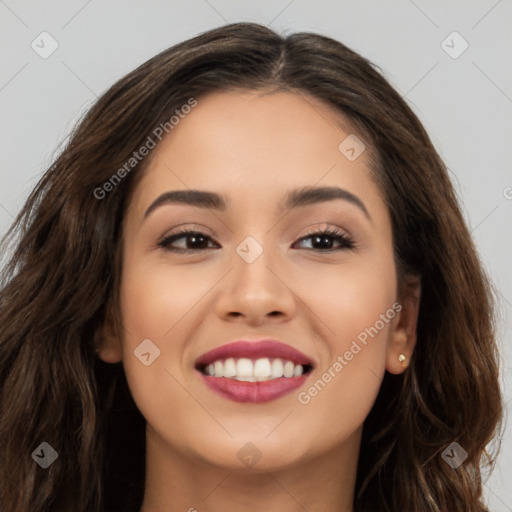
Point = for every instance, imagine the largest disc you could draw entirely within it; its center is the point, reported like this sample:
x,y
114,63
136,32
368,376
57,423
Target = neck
x,y
177,483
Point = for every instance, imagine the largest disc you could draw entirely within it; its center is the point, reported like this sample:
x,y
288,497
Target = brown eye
x,y
194,241
324,240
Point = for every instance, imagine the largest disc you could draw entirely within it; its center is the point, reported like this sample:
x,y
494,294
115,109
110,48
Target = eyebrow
x,y
296,198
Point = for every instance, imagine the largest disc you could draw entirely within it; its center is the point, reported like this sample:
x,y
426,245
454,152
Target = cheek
x,y
151,310
158,301
348,300
354,310
156,297
345,386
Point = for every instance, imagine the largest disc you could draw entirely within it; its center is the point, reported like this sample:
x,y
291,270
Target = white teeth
x,y
262,369
219,368
246,370
288,369
277,368
229,367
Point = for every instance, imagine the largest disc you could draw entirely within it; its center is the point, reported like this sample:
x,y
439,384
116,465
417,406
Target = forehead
x,y
252,119
255,145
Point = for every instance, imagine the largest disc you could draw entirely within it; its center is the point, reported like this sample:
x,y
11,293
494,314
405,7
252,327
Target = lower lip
x,y
253,392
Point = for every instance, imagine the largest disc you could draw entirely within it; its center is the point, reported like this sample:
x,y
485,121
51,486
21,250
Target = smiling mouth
x,y
254,370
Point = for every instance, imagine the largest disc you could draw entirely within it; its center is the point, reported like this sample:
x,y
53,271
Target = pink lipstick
x,y
254,371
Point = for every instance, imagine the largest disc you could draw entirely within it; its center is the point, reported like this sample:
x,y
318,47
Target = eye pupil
x,y
194,238
324,241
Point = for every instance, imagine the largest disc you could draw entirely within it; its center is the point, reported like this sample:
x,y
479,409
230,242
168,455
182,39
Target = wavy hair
x,y
64,272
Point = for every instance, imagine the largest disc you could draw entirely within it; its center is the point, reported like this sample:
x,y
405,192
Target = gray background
x,y
465,103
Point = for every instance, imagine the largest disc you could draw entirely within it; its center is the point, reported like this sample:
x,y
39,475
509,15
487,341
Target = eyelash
x,y
346,241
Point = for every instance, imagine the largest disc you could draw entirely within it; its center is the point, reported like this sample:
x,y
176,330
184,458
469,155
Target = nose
x,y
257,292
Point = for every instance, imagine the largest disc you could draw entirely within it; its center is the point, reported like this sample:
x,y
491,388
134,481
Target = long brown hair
x,y
65,270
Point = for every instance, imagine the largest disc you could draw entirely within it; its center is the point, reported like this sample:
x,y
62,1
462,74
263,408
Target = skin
x,y
254,147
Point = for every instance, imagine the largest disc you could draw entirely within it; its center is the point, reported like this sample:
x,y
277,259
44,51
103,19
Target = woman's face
x,y
258,269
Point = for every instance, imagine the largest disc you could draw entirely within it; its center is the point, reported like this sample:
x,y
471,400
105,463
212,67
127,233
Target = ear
x,y
402,336
107,339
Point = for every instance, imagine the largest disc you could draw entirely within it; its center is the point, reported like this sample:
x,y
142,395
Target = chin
x,y
255,454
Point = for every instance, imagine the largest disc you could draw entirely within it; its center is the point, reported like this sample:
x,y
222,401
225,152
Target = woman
x,y
246,284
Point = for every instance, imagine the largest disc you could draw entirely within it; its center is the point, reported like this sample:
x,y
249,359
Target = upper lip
x,y
254,349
